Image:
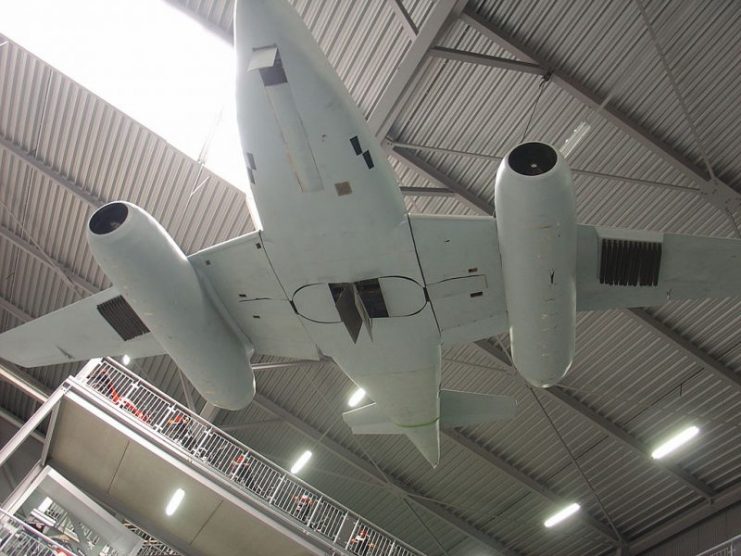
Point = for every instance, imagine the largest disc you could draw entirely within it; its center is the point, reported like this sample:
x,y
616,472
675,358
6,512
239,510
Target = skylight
x,y
148,59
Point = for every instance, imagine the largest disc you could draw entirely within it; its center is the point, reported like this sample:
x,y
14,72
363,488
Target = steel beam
x,y
687,348
50,173
528,482
384,479
17,423
575,171
441,16
412,160
43,258
24,385
686,519
17,312
615,432
719,194
406,20
426,191
484,60
29,426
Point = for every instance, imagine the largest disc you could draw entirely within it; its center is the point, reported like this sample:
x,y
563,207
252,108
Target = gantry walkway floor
x,y
130,446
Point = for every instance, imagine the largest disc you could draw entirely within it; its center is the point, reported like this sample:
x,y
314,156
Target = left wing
x,y
619,268
243,281
99,325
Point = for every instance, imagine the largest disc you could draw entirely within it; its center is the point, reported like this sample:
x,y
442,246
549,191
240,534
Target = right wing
x,y
619,268
99,325
459,257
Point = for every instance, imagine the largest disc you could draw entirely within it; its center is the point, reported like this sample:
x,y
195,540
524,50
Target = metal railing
x,y
78,533
731,547
20,539
245,468
152,546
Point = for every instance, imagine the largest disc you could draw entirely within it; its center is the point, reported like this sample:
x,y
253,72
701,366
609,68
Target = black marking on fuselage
x,y
355,142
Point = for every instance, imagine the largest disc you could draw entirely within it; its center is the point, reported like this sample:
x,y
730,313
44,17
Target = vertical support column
x,y
29,426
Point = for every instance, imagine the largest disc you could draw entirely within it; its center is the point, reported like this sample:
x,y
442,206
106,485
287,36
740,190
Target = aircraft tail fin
x,y
457,409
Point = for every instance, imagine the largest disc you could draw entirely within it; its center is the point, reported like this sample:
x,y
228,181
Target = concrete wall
x,y
706,534
20,463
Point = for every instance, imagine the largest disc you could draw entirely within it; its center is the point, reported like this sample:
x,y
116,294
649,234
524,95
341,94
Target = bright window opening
x,y
148,59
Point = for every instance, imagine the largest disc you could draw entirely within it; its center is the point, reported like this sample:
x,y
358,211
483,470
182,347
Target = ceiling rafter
x,y
613,430
685,346
404,17
528,482
685,519
485,60
30,249
50,172
394,96
716,192
425,169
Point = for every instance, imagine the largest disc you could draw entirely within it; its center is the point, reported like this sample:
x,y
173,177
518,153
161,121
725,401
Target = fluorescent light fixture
x,y
174,502
356,397
675,442
126,360
558,517
45,505
301,461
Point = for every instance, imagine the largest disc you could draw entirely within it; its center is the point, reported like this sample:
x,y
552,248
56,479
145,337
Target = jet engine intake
x,y
159,283
536,224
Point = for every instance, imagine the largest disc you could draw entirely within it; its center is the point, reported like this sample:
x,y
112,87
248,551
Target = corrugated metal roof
x,y
626,374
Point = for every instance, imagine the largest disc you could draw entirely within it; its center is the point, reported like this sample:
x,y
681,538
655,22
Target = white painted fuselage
x,y
332,212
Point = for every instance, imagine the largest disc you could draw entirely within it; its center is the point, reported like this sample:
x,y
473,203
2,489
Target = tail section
x,y
457,409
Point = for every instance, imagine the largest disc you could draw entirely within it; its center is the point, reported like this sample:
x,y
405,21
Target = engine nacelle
x,y
536,224
157,280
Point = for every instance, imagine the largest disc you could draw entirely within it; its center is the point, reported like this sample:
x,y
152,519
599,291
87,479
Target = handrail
x,y
251,472
24,539
730,547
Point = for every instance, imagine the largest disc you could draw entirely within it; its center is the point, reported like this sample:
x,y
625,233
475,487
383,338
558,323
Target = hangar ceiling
x,y
449,87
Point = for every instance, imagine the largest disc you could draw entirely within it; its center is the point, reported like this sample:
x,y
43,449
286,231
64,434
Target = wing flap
x,y
98,325
627,268
242,277
459,257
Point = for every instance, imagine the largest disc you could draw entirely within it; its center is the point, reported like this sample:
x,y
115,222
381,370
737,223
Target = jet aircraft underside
x,y
339,269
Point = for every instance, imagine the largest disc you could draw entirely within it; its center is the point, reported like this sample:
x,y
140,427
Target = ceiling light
x,y
559,516
675,442
301,461
126,360
45,505
356,397
174,502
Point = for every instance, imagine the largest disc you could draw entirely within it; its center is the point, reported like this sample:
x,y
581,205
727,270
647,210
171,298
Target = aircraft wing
x,y
459,257
243,280
619,268
102,324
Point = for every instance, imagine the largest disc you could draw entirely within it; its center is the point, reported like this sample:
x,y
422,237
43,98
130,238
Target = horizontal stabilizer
x,y
458,409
